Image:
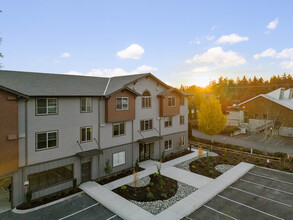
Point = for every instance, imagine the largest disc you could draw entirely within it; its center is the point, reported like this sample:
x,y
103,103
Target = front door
x,y
86,171
5,194
144,152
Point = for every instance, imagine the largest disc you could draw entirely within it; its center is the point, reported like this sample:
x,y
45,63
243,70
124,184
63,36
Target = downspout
x,y
26,149
132,139
99,134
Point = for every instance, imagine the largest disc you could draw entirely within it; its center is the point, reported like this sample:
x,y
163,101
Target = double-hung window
x,y
168,145
86,134
171,101
146,125
182,119
182,141
146,99
46,140
46,106
118,158
168,121
182,100
119,129
122,103
86,104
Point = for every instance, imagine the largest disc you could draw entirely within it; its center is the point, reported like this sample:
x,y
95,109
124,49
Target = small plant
x,y
162,157
151,184
29,195
174,186
193,166
202,164
148,189
156,174
172,190
124,187
150,196
74,183
108,168
164,195
136,166
257,160
211,172
208,161
286,167
200,153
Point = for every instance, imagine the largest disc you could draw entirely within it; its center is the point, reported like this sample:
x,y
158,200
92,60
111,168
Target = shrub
x,y
148,188
286,167
193,166
211,172
156,174
151,184
123,187
29,195
74,183
202,164
108,168
257,160
136,167
164,195
150,196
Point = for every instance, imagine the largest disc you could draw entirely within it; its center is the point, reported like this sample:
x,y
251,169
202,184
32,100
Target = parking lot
x,y
260,194
80,207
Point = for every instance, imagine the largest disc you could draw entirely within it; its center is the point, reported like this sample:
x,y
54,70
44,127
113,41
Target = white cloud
x,y
65,55
188,61
210,38
231,39
195,41
108,72
273,24
286,53
287,65
203,69
134,51
267,53
216,56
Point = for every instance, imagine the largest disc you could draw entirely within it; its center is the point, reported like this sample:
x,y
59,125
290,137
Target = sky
x,y
180,42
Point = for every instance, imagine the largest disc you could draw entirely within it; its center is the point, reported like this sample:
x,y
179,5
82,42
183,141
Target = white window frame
x,y
144,101
86,128
173,98
182,116
170,145
169,121
144,121
119,124
119,158
47,140
182,143
122,99
88,104
47,106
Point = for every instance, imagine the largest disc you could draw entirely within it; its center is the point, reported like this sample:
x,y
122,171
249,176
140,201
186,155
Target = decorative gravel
x,y
141,182
223,167
155,207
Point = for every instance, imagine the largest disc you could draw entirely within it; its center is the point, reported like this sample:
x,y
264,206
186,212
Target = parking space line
x,y
278,142
239,203
79,211
111,217
261,140
260,196
266,187
281,181
248,137
222,213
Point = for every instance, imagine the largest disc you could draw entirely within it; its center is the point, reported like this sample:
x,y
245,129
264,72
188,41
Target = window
x,y
146,125
46,106
182,141
182,100
119,158
171,101
119,129
50,177
122,103
146,99
168,121
182,119
86,134
168,145
86,105
46,140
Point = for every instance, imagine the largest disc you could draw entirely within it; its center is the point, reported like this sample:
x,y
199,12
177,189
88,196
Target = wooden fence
x,y
212,147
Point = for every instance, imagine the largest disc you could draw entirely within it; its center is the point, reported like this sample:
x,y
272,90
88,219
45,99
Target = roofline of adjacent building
x,y
14,92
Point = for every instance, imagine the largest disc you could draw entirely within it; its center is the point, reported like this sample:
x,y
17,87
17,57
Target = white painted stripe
x,y
281,181
111,217
278,142
248,137
261,140
107,86
222,213
267,187
79,211
260,196
239,203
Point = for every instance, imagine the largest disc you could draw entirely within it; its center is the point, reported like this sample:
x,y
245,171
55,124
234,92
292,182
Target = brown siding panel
x,y
8,132
165,110
112,115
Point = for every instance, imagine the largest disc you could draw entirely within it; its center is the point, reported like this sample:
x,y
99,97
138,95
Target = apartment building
x,y
55,128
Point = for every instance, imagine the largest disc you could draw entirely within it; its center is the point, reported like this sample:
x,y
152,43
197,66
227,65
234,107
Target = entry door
x,y
144,152
86,171
5,194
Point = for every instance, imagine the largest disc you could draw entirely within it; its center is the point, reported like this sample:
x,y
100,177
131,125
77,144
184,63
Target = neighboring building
x,y
55,128
274,109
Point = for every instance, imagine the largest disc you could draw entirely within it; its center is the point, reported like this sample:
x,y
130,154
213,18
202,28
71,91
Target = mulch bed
x,y
140,193
117,176
47,199
173,156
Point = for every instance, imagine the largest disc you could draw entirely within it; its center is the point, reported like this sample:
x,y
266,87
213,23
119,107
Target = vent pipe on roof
x,y
282,90
290,93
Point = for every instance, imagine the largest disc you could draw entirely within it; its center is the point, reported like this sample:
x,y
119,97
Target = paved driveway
x,y
260,194
255,141
80,207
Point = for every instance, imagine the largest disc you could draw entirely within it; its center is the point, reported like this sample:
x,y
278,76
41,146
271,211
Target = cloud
x,y
134,51
287,65
65,55
203,69
210,38
286,54
188,61
195,41
231,39
216,56
267,53
273,24
109,72
214,27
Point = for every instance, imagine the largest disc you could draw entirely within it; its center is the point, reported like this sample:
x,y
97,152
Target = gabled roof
x,y
274,97
167,91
